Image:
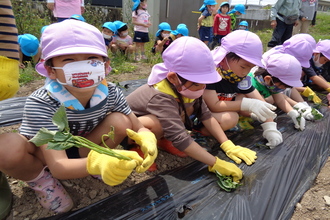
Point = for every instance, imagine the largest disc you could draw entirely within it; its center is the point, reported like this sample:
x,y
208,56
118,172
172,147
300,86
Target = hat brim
x,y
218,54
296,83
29,54
208,78
305,64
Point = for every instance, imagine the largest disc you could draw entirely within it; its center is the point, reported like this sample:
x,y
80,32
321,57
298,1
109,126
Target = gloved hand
x,y
254,117
262,110
298,120
112,170
305,110
148,144
310,93
236,152
273,136
228,169
9,77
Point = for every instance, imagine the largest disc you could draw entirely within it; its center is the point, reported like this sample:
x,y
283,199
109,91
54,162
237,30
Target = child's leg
x,y
296,96
138,50
227,120
118,122
143,56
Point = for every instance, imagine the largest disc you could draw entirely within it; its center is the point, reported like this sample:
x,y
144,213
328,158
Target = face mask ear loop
x,y
227,64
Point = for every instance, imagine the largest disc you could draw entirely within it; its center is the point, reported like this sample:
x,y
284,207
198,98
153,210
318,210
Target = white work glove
x,y
273,136
305,110
298,120
262,110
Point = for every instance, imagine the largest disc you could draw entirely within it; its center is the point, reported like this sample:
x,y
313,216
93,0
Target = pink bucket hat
x,y
70,37
323,47
307,37
284,67
244,44
300,48
190,58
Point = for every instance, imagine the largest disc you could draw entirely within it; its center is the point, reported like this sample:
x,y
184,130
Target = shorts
x,y
205,33
141,37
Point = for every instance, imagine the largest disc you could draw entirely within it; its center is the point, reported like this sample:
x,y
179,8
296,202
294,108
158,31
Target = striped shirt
x,y
40,108
8,31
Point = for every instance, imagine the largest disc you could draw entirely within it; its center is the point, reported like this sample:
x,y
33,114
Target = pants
x,y
302,27
281,33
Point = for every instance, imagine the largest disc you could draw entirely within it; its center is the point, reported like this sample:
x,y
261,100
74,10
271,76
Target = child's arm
x,y
200,19
135,22
216,25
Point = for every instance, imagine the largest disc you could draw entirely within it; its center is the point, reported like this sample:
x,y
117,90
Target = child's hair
x,y
263,72
233,56
123,28
197,106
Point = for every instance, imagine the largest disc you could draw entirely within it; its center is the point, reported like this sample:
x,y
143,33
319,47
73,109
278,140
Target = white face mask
x,y
124,34
105,36
165,35
83,74
317,62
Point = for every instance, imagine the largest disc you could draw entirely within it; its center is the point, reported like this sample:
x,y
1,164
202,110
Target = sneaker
x,y
50,192
137,58
136,148
167,146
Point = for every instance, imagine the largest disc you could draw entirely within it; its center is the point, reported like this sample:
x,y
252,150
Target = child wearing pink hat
x,y
282,71
75,67
234,94
174,94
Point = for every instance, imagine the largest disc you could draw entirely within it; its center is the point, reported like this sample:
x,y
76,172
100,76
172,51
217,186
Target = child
x,y
122,41
173,95
206,20
141,23
238,10
163,39
280,71
222,22
234,93
92,110
181,30
9,85
301,47
29,49
78,17
243,25
312,76
108,31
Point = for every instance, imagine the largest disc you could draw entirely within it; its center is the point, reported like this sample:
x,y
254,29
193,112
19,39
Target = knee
x,y
12,150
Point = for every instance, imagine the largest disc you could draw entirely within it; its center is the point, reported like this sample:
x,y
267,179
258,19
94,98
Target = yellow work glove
x,y
148,145
238,153
308,92
9,75
228,169
112,170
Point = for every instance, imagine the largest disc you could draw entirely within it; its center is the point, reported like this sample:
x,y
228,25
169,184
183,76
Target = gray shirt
x,y
286,8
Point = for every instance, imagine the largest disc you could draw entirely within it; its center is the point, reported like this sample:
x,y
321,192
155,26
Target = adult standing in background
x,y
284,15
307,16
63,9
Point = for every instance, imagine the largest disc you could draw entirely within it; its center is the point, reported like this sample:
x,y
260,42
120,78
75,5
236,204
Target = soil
x,y
315,203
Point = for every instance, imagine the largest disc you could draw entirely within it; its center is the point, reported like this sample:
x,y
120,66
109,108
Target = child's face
x,y
224,9
60,61
240,67
321,59
123,34
144,5
210,8
107,31
270,82
238,13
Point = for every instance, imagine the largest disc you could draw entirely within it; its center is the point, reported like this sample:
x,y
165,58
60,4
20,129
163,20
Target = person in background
x,y
307,16
237,11
108,31
234,96
284,15
206,20
181,30
243,25
78,17
163,39
122,41
63,9
30,51
75,65
9,85
172,98
141,21
222,23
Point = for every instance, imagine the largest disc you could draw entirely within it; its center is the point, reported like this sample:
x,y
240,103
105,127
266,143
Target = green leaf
x,y
59,145
43,137
61,136
60,119
316,114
